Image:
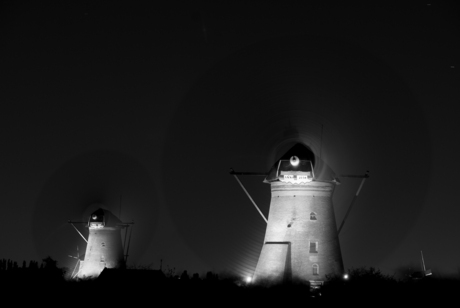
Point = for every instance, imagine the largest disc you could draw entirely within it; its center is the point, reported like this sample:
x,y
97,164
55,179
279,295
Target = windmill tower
x,y
104,245
301,240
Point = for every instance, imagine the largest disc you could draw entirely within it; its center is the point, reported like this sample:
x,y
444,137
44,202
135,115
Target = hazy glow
x,y
295,161
248,279
345,276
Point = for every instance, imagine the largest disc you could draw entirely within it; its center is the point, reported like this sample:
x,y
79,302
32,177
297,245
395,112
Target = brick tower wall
x,y
104,249
287,253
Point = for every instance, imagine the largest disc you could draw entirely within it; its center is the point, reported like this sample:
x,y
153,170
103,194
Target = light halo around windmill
x,y
105,179
331,95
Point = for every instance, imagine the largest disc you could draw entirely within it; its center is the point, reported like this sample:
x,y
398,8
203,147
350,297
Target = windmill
x,y
107,180
301,240
104,247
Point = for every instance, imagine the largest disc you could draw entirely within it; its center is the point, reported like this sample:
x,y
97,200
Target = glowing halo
x,y
350,108
294,161
84,183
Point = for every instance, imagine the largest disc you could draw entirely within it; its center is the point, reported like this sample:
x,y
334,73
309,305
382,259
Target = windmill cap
x,y
104,218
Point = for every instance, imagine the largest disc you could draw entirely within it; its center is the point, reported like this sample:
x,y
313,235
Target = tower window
x,y
315,268
312,216
313,247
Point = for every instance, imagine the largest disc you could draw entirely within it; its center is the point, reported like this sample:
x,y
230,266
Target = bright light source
x,y
345,276
248,279
294,161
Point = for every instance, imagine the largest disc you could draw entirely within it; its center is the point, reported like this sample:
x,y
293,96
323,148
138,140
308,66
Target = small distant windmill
x,y
82,184
104,245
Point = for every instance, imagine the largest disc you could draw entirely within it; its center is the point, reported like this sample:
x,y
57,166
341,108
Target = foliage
x,y
364,284
361,283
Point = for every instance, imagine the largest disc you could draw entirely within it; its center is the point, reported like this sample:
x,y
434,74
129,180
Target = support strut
x,y
242,186
364,177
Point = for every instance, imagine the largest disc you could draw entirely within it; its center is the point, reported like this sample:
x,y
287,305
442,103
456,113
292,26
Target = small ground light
x,y
345,276
248,279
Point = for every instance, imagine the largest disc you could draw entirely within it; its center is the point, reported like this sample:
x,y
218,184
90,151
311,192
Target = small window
x,y
312,216
315,268
313,247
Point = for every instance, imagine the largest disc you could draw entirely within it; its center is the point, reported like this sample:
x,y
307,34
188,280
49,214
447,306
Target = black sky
x,y
151,105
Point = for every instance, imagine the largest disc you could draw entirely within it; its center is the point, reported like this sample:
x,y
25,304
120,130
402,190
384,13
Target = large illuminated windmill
x,y
301,240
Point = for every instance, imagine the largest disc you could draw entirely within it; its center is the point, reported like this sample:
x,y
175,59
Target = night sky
x,y
144,109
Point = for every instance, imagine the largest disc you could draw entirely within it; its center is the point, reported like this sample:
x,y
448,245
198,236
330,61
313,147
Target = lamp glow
x,y
295,161
345,276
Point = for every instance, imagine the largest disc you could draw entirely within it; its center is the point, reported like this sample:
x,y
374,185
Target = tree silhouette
x,y
184,276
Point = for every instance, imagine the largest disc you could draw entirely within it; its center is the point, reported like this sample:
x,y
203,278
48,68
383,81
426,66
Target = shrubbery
x,y
131,286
